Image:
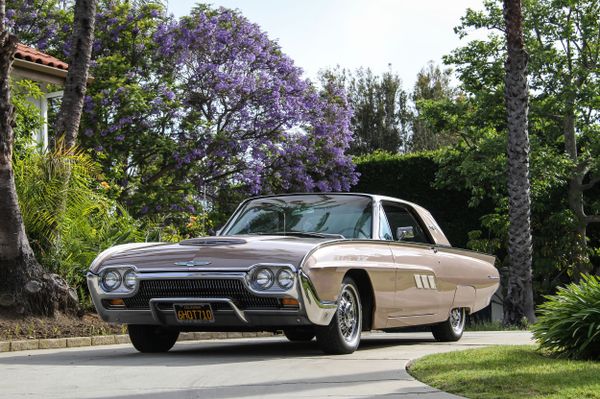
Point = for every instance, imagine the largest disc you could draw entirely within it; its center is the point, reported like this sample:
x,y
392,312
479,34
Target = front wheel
x,y
452,329
342,335
152,339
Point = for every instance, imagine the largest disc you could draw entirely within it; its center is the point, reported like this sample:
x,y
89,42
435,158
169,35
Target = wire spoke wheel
x,y
451,329
342,335
347,314
457,320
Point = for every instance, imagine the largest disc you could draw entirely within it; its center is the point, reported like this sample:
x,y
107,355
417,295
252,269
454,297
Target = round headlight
x,y
263,279
129,279
285,279
111,280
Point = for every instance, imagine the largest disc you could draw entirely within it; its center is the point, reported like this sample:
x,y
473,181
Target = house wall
x,y
43,75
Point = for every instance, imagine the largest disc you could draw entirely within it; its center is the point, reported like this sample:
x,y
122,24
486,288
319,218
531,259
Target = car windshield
x,y
316,215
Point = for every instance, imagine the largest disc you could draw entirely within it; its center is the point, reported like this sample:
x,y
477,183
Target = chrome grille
x,y
192,288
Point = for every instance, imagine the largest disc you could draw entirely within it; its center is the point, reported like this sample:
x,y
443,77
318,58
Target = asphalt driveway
x,y
238,368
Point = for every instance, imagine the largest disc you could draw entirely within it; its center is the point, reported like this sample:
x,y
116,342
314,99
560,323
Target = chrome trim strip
x,y
432,283
156,312
418,281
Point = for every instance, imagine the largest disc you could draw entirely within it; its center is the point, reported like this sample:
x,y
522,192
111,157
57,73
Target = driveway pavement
x,y
240,368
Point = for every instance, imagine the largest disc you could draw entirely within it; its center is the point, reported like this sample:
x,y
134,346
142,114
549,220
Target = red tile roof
x,y
30,54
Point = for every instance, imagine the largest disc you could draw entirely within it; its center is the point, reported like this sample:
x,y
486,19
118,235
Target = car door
x,y
417,299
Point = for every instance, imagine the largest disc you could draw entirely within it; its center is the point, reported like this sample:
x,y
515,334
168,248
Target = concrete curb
x,y
97,340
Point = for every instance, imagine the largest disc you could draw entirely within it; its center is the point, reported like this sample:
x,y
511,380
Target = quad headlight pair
x,y
266,278
118,279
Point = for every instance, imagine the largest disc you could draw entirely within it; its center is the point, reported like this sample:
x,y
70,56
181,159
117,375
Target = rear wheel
x,y
152,339
299,335
342,335
451,329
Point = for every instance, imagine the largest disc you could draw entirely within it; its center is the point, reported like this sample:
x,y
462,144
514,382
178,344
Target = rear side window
x,y
399,216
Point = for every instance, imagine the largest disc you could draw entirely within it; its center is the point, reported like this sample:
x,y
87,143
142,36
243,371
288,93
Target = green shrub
x,y
68,215
569,322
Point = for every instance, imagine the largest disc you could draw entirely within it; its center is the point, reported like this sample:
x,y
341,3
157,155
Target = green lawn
x,y
508,372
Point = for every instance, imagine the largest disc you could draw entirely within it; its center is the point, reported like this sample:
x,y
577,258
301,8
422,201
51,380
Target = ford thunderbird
x,y
311,265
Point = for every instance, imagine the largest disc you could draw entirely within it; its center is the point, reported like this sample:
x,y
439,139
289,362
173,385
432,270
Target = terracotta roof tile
x,y
30,54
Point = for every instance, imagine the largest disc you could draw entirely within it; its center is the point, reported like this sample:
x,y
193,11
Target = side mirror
x,y
405,233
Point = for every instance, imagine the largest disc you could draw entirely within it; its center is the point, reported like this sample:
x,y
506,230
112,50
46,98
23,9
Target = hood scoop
x,y
211,242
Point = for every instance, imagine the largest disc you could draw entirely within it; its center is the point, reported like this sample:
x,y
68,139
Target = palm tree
x,y
518,303
23,283
25,287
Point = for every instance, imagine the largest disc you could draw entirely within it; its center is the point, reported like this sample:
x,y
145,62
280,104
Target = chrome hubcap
x,y
457,320
348,314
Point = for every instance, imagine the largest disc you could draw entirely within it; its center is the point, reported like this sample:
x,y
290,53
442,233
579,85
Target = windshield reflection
x,y
317,215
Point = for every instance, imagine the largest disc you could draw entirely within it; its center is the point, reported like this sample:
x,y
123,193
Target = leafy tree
x,y
27,115
479,117
518,302
381,117
432,94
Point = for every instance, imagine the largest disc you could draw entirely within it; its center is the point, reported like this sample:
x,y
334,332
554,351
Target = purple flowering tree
x,y
186,109
247,115
43,24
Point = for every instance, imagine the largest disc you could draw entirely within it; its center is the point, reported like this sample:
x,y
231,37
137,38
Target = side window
x,y
385,232
398,216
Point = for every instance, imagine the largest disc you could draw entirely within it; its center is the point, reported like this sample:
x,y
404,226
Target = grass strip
x,y
508,372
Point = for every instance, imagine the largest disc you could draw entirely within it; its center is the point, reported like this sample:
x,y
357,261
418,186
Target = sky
x,y
320,34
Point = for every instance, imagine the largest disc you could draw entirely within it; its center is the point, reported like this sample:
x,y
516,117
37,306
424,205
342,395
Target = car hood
x,y
223,252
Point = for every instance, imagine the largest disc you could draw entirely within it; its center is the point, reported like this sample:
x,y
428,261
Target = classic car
x,y
326,265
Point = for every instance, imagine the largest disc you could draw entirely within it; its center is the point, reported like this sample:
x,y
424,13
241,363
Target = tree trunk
x,y
24,287
581,259
518,303
69,116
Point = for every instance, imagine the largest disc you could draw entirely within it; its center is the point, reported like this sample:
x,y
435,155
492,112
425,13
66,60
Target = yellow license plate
x,y
194,313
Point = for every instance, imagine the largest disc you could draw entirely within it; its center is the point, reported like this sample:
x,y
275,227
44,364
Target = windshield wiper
x,y
300,234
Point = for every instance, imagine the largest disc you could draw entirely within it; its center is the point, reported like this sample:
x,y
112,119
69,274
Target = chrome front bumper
x,y
311,310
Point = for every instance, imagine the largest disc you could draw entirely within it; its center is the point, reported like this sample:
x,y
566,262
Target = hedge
x,y
410,177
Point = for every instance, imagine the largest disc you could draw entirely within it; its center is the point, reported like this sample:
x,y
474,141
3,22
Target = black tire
x,y
152,339
342,335
299,334
452,329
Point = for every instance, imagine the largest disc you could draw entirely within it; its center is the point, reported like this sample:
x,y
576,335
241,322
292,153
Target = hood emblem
x,y
193,263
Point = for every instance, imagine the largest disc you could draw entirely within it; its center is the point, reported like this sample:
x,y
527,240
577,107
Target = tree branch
x,y
590,184
592,219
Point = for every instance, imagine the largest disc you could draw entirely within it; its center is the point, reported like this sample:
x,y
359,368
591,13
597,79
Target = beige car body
x,y
403,283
